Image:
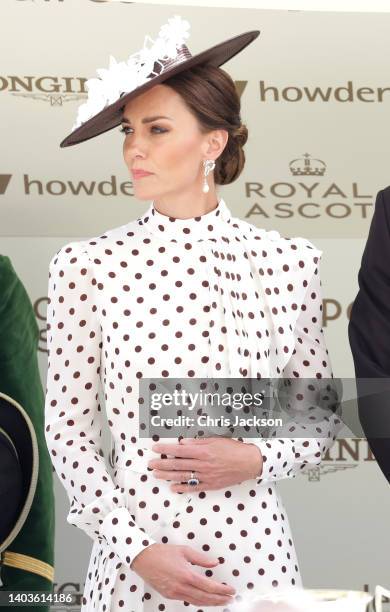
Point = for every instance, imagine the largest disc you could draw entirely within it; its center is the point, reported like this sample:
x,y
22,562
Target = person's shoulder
x,y
279,243
382,205
70,253
6,267
385,194
89,249
8,275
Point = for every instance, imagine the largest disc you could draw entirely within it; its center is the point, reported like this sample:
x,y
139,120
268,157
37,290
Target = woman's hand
x,y
217,463
168,569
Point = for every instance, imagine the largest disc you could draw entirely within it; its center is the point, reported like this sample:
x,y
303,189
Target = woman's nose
x,y
134,150
135,143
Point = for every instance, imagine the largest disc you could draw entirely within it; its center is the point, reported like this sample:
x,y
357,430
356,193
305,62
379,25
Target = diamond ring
x,y
192,481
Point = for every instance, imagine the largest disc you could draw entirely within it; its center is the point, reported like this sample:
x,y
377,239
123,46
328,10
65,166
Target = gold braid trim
x,y
28,563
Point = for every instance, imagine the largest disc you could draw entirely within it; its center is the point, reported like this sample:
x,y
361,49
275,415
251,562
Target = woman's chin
x,y
141,193
144,194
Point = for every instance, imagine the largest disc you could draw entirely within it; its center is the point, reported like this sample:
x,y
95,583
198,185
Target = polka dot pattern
x,y
208,296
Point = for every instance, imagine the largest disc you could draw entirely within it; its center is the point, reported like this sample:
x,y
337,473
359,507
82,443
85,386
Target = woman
x,y
186,290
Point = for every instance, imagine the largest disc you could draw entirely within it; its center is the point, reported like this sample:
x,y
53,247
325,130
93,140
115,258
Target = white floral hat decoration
x,y
156,62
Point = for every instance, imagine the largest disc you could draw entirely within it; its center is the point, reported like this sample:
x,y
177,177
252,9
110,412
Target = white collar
x,y
209,226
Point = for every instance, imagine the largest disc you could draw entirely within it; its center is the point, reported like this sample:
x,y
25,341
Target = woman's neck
x,y
187,205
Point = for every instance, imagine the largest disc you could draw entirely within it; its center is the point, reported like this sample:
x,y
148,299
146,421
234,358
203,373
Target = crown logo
x,y
307,166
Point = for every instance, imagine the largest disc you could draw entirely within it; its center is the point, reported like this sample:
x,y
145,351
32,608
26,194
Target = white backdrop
x,y
288,5
315,86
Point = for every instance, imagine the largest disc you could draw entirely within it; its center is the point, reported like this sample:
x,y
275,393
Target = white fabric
x,y
209,296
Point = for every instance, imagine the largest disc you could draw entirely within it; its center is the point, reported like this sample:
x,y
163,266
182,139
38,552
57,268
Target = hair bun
x,y
232,160
240,135
211,95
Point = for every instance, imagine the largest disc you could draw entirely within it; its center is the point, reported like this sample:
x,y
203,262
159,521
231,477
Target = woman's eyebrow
x,y
147,119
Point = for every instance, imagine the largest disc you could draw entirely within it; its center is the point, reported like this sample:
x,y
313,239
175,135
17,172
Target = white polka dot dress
x,y
208,296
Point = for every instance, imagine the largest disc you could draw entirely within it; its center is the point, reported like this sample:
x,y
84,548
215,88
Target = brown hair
x,y
211,95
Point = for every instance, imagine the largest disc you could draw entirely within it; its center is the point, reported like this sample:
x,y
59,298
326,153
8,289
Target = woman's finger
x,y
211,586
175,476
177,464
202,598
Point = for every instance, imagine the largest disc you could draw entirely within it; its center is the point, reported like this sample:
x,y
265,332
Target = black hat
x,y
19,463
135,78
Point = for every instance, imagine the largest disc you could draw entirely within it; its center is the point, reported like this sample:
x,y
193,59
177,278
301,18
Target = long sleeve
x,y
307,393
20,379
73,415
369,334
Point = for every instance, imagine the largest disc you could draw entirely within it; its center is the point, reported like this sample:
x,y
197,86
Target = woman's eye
x,y
155,127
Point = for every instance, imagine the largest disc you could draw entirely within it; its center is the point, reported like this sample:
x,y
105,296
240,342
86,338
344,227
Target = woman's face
x,y
163,137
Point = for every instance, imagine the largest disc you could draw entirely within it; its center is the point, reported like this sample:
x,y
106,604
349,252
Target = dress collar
x,y
210,226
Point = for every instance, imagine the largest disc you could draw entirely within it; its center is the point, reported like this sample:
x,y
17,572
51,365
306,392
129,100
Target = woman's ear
x,y
215,143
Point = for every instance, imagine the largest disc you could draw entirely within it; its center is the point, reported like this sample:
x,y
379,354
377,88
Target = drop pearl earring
x,y
209,166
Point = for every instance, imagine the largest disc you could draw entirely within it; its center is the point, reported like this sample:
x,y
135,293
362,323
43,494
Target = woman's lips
x,y
137,174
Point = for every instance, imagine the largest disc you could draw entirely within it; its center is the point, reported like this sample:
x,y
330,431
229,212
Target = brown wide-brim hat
x,y
111,115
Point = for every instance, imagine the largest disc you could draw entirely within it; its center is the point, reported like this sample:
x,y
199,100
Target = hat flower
x,y
124,77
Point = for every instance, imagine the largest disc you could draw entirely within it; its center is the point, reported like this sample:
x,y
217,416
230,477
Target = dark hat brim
x,y
110,116
15,421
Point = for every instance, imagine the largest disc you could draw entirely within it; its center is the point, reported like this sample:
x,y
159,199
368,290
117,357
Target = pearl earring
x,y
208,166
